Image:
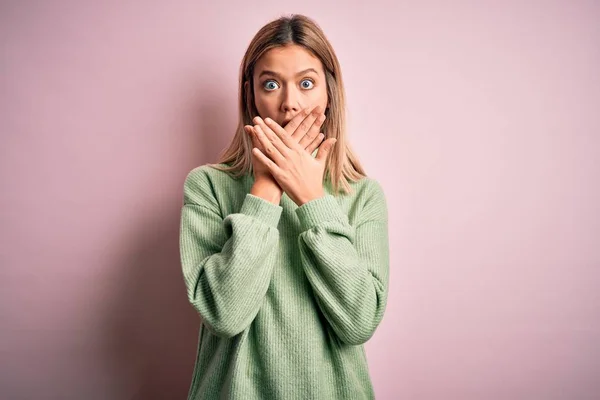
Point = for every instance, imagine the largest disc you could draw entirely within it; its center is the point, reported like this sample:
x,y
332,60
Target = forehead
x,y
288,60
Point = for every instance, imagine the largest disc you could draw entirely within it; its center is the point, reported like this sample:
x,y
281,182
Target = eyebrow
x,y
267,72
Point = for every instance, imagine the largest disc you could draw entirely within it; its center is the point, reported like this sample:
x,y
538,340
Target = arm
x,y
227,262
347,266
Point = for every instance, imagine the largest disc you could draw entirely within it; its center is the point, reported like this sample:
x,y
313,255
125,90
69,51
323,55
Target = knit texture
x,y
287,295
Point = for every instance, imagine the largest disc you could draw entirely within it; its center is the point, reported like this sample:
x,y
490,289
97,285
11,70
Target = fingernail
x,y
268,120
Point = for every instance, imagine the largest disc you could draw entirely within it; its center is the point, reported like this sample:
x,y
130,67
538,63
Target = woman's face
x,y
286,80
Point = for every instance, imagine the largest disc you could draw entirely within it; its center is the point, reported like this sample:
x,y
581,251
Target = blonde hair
x,y
342,164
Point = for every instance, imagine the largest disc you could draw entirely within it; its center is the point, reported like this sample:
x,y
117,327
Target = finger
x,y
281,132
283,136
250,131
272,136
266,161
315,143
325,149
306,124
276,130
313,131
269,148
291,126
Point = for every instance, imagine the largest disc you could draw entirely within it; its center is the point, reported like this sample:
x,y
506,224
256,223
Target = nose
x,y
290,103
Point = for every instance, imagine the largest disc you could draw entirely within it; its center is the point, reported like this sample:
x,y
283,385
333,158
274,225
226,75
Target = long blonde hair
x,y
342,164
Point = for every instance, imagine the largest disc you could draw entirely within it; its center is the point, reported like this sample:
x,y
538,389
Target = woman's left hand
x,y
297,172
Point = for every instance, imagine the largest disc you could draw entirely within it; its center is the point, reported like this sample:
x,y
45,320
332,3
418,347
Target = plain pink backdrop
x,y
480,119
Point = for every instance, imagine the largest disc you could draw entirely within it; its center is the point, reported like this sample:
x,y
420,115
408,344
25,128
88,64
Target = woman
x,y
284,242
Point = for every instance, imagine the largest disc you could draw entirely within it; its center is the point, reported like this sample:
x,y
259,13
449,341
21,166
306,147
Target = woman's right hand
x,y
305,128
261,172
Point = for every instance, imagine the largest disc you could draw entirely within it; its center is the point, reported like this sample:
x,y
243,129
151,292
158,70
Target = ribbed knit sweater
x,y
287,295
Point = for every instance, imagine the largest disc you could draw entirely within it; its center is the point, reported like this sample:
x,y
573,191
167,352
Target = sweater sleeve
x,y
347,266
227,262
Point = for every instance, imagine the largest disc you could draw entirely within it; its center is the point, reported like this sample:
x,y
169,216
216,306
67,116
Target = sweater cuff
x,y
261,209
316,211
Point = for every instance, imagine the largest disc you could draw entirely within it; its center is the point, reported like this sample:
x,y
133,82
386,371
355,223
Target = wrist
x,y
267,189
314,196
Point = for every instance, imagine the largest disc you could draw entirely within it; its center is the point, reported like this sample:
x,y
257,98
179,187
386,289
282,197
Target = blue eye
x,y
305,82
270,85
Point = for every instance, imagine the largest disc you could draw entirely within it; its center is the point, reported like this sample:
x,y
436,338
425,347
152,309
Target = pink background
x,y
481,120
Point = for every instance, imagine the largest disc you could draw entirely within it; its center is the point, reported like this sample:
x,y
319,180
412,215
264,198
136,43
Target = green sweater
x,y
287,295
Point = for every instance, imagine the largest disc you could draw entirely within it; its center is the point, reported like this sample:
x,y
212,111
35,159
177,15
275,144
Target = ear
x,y
249,98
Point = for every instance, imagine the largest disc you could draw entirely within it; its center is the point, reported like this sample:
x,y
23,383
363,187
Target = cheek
x,y
319,97
264,104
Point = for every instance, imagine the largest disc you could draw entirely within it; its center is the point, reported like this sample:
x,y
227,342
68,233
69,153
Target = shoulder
x,y
369,199
368,188
202,184
204,173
